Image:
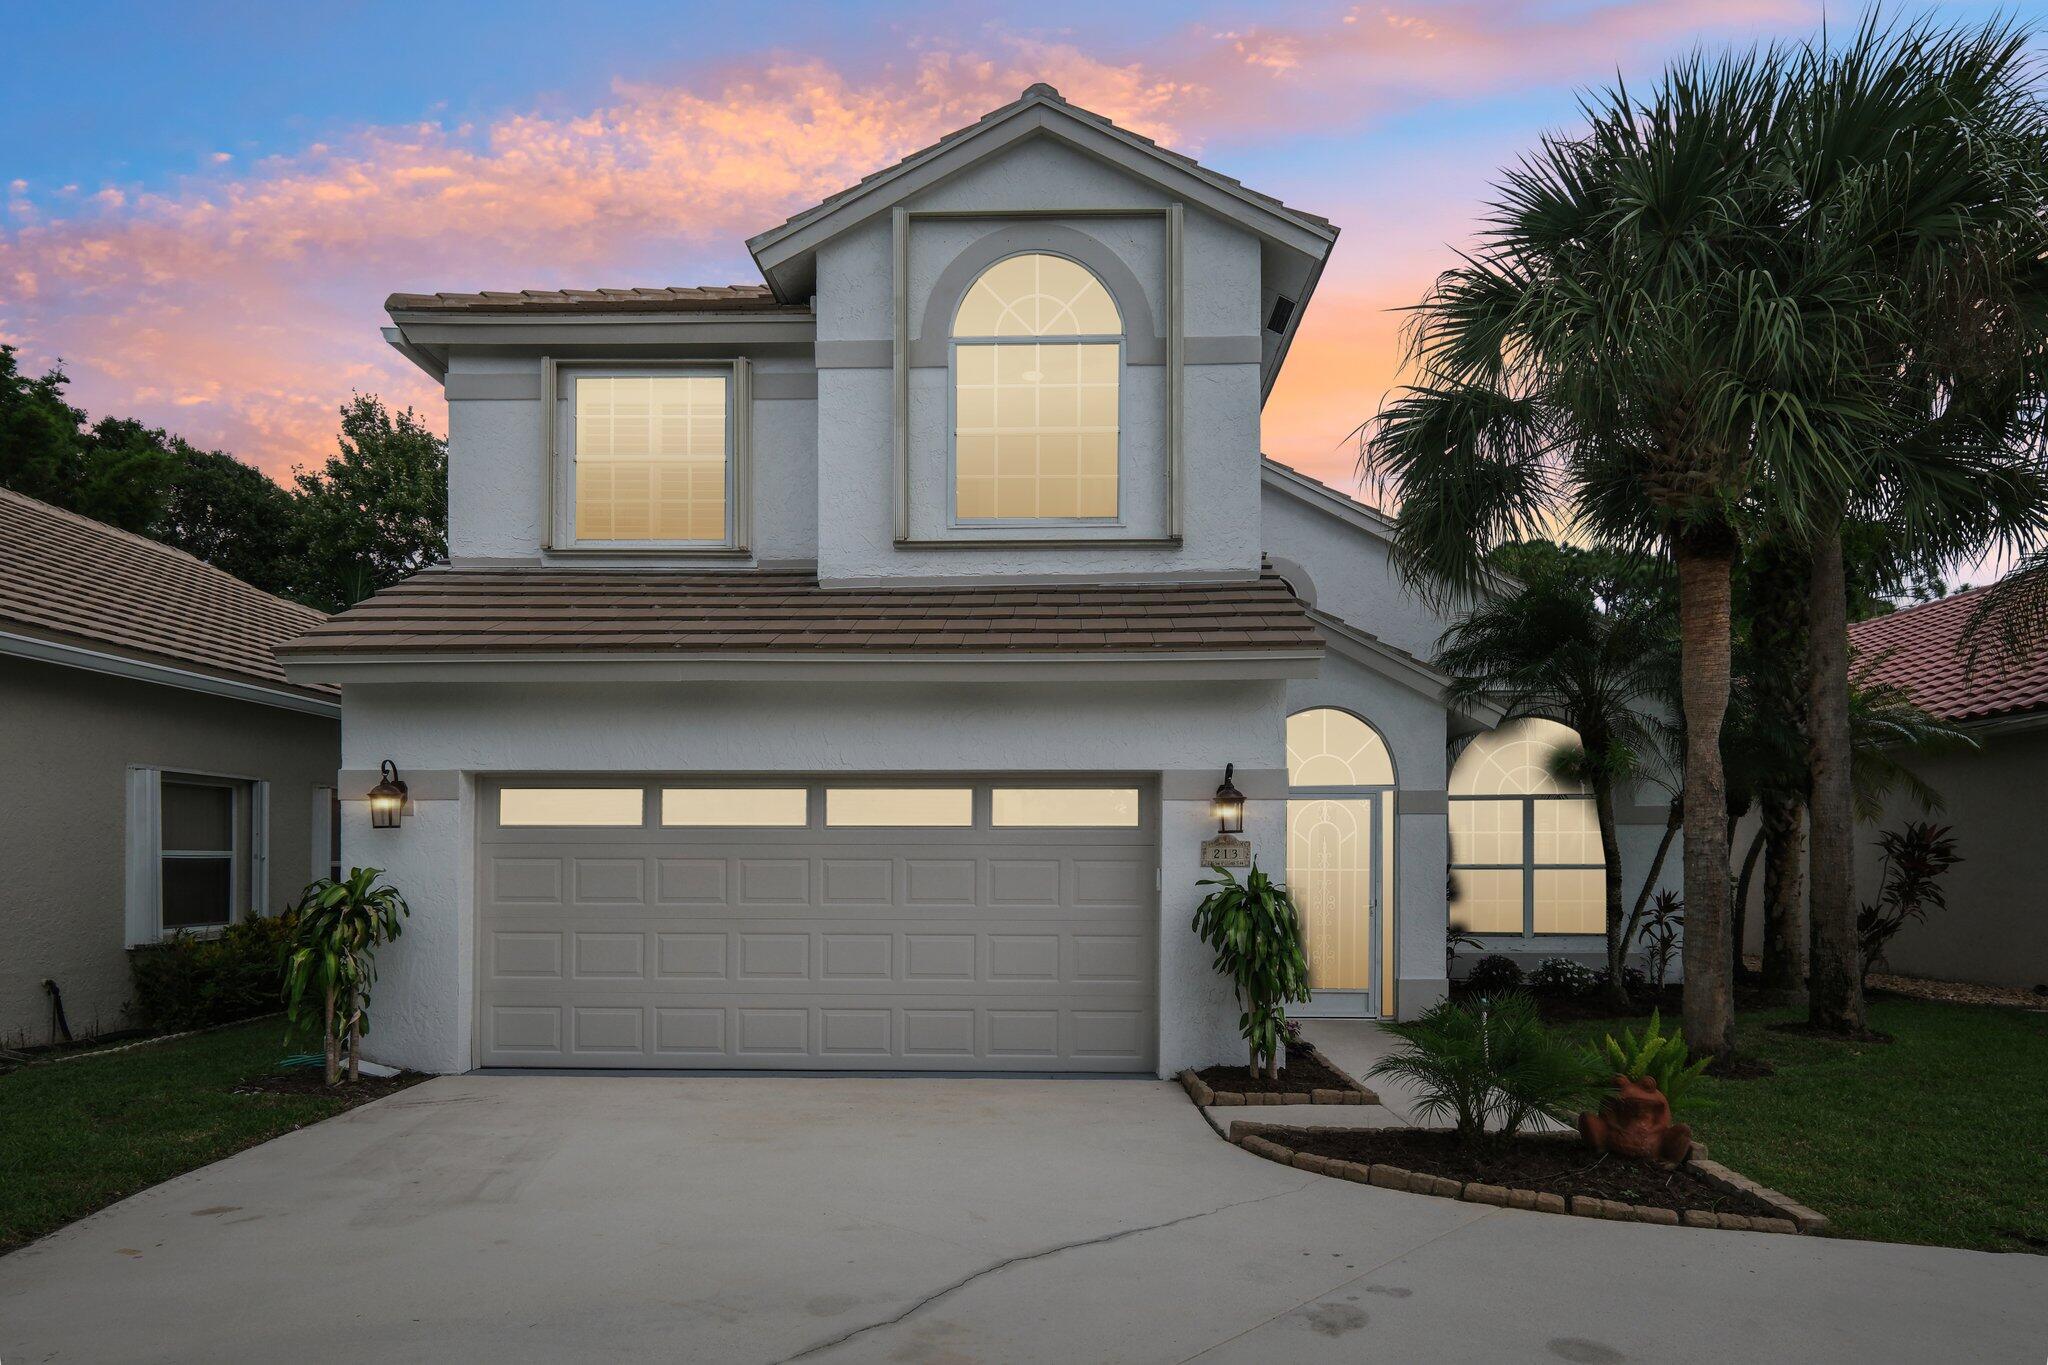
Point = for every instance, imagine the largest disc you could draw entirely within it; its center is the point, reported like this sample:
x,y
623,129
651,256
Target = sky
x,y
204,205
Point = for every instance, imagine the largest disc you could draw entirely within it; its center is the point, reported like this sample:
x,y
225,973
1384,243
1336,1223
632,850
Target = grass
x,y
1934,1138
76,1136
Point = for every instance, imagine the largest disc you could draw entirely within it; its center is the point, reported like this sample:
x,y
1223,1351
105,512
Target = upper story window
x,y
651,458
1037,373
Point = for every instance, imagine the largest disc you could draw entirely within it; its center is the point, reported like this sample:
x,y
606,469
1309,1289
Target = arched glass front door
x,y
1339,847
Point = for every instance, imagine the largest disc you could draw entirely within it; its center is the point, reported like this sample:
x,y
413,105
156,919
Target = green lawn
x,y
77,1135
1940,1137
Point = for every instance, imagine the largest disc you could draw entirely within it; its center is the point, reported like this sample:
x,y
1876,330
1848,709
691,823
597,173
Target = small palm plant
x,y
1487,1066
1256,932
330,961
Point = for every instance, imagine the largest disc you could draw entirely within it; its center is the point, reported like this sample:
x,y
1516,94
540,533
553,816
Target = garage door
x,y
943,925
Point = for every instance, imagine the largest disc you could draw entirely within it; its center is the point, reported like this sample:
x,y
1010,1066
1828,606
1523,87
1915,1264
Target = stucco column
x,y
1197,1012
422,1009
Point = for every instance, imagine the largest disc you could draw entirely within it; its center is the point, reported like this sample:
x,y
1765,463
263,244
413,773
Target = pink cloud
x,y
239,308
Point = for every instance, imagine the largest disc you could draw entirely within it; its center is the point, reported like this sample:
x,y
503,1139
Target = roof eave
x,y
307,664
296,695
790,244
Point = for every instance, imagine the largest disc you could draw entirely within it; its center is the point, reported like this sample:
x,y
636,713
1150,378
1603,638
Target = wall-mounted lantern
x,y
1228,807
387,799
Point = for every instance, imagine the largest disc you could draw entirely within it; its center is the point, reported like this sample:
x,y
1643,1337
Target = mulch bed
x,y
311,1081
1305,1073
1959,992
1559,1166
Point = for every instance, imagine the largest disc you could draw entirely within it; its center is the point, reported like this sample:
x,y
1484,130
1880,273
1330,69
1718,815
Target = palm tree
x,y
1584,638
1618,355
1920,210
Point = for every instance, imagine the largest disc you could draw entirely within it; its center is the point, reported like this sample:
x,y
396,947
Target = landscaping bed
x,y
1543,1173
1307,1078
310,1080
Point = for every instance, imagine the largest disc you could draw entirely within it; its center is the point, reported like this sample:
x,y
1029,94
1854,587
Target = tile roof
x,y
453,612
695,298
1919,650
71,580
1044,94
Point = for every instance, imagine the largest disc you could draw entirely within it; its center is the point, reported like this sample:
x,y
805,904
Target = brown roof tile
x,y
695,298
557,611
1919,650
71,580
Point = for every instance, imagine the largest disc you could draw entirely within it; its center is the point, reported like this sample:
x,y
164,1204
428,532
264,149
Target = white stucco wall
x,y
425,1001
498,489
856,328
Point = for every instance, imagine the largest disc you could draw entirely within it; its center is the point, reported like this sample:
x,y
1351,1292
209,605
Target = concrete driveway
x,y
564,1218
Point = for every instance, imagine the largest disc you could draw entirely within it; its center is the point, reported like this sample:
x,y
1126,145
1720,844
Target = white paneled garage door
x,y
937,925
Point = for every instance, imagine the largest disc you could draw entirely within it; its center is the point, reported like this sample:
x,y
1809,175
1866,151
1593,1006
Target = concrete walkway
x,y
524,1218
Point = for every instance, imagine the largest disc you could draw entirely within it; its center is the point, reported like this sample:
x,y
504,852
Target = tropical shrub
x,y
1916,858
1634,980
1661,933
1660,1056
1488,1066
195,981
1561,976
330,960
1256,931
1493,975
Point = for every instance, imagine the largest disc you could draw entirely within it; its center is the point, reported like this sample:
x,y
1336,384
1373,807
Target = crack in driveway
x,y
1022,1258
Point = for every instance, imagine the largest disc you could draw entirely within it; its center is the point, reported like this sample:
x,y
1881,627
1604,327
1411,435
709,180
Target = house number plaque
x,y
1224,851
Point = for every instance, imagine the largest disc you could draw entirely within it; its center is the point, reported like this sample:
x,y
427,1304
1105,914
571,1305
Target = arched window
x,y
1037,369
1340,782
1525,844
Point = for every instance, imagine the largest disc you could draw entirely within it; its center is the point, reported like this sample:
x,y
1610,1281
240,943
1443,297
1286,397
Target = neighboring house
x,y
1995,929
838,673
158,772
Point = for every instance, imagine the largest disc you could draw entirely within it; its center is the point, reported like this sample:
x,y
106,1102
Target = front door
x,y
1333,861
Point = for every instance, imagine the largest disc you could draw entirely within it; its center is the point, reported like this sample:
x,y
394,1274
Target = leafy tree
x,y
115,472
377,512
233,516
1584,638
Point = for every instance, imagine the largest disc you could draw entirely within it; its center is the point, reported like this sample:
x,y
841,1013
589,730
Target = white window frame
x,y
144,851
558,389
956,522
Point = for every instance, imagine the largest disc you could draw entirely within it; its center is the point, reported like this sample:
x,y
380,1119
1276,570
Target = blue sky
x,y
205,204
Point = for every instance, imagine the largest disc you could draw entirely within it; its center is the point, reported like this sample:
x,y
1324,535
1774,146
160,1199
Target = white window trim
x,y
144,851
559,454
956,522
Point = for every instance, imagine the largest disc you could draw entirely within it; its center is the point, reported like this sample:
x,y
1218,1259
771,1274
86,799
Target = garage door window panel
x,y
735,807
899,807
1064,807
571,807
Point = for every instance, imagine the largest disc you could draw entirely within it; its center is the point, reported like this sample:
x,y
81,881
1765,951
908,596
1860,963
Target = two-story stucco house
x,y
837,673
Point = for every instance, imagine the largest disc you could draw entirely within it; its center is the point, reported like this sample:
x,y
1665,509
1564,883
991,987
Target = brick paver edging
x,y
1199,1091
1262,1140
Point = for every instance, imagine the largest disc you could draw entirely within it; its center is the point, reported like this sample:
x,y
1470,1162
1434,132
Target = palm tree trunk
x,y
1835,1000
1704,563
1784,979
333,1040
1610,849
1671,826
1742,885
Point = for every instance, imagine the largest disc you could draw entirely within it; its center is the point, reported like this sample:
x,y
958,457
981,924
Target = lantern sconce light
x,y
387,799
1228,807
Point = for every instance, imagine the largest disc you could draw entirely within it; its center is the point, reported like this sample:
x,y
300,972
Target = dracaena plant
x,y
1256,932
330,961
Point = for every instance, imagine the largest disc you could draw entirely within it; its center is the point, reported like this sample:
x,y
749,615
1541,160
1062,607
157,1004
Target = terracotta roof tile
x,y
539,611
694,298
1919,650
71,580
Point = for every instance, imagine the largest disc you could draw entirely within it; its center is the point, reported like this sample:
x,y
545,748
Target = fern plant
x,y
1660,1056
1256,932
